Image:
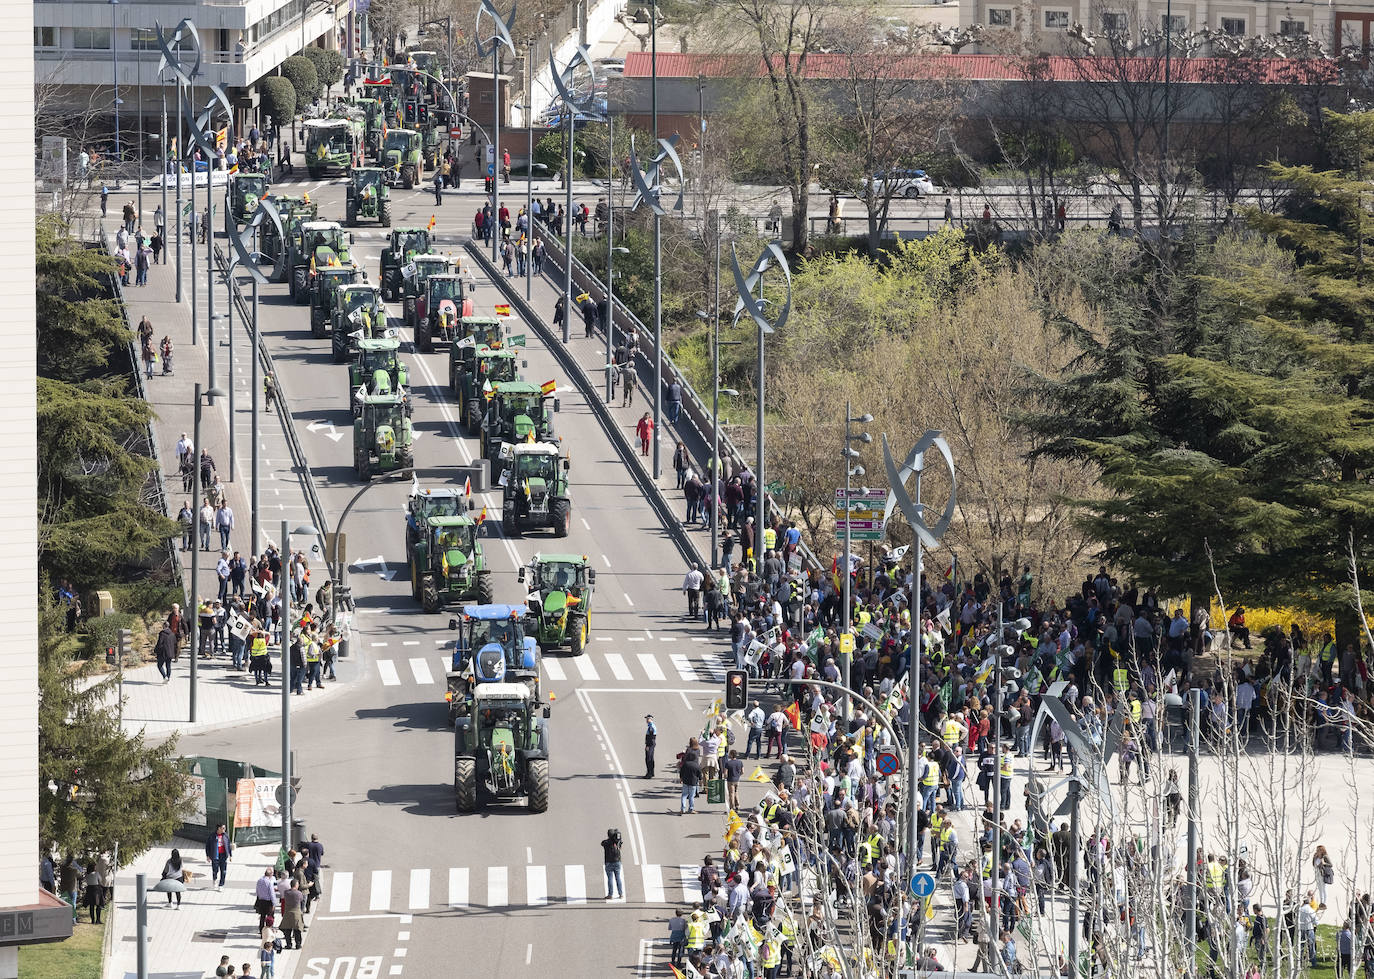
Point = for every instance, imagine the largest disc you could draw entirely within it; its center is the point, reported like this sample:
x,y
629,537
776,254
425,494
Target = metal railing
x,y
694,409
157,479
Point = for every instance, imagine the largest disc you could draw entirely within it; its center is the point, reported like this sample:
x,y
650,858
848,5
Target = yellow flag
x,y
757,775
733,823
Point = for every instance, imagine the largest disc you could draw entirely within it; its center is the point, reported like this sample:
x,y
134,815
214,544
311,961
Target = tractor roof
x,y
485,351
561,559
452,520
377,170
484,320
432,258
325,123
355,288
380,400
535,449
321,226
501,691
441,276
439,492
403,132
486,612
338,270
516,387
379,343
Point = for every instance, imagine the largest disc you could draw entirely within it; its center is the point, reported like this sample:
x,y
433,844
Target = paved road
x,y
410,880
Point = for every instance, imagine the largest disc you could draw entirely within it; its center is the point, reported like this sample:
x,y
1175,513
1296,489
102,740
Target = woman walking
x,y
1325,873
171,870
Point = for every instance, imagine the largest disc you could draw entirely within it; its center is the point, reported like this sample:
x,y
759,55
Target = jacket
x,y
211,847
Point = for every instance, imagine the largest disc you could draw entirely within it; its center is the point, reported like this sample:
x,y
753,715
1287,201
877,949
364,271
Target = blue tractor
x,y
491,647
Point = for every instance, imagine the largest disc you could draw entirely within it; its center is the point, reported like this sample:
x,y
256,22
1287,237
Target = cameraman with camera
x,y
610,848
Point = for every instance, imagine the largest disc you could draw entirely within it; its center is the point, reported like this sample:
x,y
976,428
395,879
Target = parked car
x,y
905,183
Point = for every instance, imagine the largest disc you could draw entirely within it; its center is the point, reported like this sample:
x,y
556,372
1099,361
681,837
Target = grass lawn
x,y
79,957
1326,954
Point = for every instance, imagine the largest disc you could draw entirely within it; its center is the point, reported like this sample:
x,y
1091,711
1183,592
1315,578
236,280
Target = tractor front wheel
x,y
560,515
465,784
429,594
422,337
300,285
577,630
485,592
384,213
537,777
408,176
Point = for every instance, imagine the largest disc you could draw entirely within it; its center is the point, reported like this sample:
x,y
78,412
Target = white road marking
x,y
585,525
536,886
634,638
691,887
683,667
630,601
667,639
607,560
411,642
380,898
421,670
341,891
700,639
574,884
387,669
529,952
618,668
653,884
715,669
651,667
419,889
554,669
457,887
445,662
377,645
586,667
496,887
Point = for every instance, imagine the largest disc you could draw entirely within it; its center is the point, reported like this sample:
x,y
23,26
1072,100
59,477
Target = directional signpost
x,y
922,885
861,511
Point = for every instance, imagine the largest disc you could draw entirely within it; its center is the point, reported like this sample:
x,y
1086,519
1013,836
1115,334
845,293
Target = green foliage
x,y
278,99
143,596
126,792
305,80
79,325
549,151
102,631
329,66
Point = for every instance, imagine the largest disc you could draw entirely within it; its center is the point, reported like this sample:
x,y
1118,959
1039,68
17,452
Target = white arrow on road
x,y
317,426
385,573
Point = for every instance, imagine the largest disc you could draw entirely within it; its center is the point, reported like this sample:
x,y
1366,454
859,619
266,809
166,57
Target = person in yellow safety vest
x,y
1216,876
787,933
875,845
930,782
1137,709
697,930
954,731
1006,778
1119,679
257,657
1328,657
770,538
310,646
771,956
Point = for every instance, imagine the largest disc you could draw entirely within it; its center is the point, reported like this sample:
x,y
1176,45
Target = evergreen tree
x,y
97,786
79,325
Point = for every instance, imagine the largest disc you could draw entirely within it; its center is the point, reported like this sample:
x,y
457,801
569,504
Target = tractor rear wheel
x,y
508,522
473,416
384,213
352,212
408,176
429,596
485,593
422,337
560,515
537,784
300,285
577,635
465,784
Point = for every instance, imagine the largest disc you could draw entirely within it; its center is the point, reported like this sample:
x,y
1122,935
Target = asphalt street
x,y
411,887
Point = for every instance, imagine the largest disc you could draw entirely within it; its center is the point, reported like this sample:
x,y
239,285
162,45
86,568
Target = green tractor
x,y
438,309
383,438
372,125
560,599
477,359
294,212
359,314
401,157
368,197
400,251
331,144
422,504
245,190
314,245
324,287
447,565
535,488
501,748
375,371
515,411
413,285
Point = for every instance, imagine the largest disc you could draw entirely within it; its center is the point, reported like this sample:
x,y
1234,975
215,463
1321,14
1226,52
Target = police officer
x,y
650,741
1006,777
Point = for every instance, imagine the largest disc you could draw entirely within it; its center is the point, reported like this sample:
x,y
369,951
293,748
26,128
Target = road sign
x,y
281,794
455,132
861,535
853,524
922,885
860,495
888,763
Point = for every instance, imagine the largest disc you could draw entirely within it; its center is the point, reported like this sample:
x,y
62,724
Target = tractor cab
x,y
359,314
535,488
401,250
245,190
377,370
560,599
324,243
329,143
383,437
325,284
431,502
517,411
491,647
439,308
400,157
412,288
372,124
447,564
367,197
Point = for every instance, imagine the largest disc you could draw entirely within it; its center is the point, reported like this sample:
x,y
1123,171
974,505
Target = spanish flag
x,y
793,713
431,222
467,486
502,309
548,387
234,169
481,517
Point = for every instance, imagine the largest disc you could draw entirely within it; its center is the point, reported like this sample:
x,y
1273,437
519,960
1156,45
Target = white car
x,y
905,183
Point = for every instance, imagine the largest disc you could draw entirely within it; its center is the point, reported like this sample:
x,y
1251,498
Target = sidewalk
x,y
224,697
187,944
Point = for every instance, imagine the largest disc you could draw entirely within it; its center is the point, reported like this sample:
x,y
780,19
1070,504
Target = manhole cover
x,y
213,937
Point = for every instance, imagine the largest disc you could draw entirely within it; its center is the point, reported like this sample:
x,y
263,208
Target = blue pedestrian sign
x,y
923,885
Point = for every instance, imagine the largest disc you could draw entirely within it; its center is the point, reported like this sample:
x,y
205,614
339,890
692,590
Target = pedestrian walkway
x,y
223,697
210,923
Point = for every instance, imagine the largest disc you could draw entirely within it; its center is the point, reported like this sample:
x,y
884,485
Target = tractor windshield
x,y
506,632
368,181
360,299
457,537
333,140
445,289
519,404
506,727
414,241
255,186
497,368
536,465
558,575
378,360
398,140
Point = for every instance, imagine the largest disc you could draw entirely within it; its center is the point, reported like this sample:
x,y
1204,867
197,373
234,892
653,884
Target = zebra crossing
x,y
704,664
530,886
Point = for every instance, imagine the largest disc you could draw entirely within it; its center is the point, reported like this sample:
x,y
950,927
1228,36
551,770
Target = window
x,y
1292,28
1113,22
999,16
143,39
1056,20
91,38
289,13
45,37
1234,26
1174,25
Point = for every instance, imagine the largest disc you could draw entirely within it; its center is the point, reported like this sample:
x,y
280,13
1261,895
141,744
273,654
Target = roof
x,y
561,558
381,400
451,520
403,132
516,387
501,691
535,449
440,491
970,67
482,319
379,343
321,226
493,611
327,123
357,287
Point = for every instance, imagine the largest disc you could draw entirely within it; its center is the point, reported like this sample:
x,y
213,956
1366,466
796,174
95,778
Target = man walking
x,y
691,584
165,650
224,523
755,717
610,858
218,849
650,742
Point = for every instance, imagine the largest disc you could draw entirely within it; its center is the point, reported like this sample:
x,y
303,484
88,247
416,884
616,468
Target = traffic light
x,y
126,644
736,689
110,656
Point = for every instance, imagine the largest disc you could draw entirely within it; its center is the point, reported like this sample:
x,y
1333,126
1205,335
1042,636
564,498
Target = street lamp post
x,y
114,50
138,65
285,647
184,77
500,36
849,454
194,610
610,247
716,392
